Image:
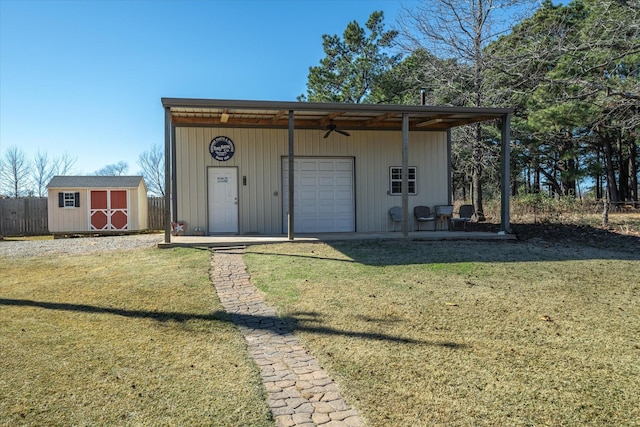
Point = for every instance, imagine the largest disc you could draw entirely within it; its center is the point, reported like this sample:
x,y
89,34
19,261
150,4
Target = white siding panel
x,y
132,205
63,220
259,154
143,208
257,157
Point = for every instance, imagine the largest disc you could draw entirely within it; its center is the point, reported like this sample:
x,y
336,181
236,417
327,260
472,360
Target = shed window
x,y
69,200
395,180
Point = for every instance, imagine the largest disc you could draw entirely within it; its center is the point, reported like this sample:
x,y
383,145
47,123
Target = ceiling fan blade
x,y
328,133
345,133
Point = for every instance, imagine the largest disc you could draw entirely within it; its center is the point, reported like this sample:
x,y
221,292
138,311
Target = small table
x,y
444,214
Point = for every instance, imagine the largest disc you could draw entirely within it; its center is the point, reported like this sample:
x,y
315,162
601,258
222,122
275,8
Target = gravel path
x,y
77,245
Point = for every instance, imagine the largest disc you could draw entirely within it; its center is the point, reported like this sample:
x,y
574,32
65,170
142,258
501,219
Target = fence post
x,y
605,213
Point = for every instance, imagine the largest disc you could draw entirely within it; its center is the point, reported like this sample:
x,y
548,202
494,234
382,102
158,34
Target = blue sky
x,y
86,77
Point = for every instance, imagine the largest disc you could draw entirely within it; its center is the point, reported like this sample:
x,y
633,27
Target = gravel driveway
x,y
78,245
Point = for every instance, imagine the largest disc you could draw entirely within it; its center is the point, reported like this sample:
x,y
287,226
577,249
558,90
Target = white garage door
x,y
323,195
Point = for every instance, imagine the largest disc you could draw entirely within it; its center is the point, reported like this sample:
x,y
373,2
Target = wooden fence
x,y
156,213
20,217
28,216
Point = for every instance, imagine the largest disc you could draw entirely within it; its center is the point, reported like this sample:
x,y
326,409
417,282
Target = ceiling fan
x,y
332,127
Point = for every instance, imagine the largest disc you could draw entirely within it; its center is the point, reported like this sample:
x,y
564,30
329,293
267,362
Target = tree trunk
x,y
476,175
477,193
598,175
623,170
554,185
567,176
633,172
536,172
612,187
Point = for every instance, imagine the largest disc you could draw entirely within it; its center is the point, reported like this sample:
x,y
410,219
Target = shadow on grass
x,y
309,257
539,243
280,326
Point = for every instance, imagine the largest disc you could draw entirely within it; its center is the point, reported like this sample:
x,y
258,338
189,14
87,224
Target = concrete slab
x,y
246,240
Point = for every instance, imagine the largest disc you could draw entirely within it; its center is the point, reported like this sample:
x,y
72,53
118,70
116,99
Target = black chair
x,y
465,214
422,214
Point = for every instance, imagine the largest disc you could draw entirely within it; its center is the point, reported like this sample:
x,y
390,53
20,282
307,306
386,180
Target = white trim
x,y
409,181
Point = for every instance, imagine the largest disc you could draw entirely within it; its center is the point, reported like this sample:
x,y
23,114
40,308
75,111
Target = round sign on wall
x,y
222,148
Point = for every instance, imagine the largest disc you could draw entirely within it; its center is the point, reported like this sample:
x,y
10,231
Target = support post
x,y
449,169
168,189
505,171
174,178
405,174
290,217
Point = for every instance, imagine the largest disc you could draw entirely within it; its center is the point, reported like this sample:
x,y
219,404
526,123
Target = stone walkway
x,y
300,393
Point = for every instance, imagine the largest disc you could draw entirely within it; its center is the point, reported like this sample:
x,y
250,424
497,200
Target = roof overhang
x,y
312,115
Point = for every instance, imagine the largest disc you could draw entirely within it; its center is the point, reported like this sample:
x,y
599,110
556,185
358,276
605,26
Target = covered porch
x,y
291,120
247,240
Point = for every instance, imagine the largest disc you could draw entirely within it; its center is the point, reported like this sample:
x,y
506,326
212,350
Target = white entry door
x,y
223,200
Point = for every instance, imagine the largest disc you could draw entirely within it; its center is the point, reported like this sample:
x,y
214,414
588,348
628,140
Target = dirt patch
x,y
571,234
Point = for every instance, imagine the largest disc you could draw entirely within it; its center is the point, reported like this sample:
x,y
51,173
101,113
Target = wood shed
x,y
97,204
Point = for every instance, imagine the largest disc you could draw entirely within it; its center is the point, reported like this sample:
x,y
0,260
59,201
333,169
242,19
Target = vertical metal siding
x,y
258,157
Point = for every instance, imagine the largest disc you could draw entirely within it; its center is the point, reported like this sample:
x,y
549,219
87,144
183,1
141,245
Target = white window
x,y
68,199
395,180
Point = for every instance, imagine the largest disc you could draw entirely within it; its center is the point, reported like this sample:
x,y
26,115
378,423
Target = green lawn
x,y
128,338
415,333
466,333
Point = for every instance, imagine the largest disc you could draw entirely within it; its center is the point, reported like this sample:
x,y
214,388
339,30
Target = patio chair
x,y
396,215
465,213
422,214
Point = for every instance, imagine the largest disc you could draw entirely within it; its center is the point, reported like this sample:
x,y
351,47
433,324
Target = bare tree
x,y
152,164
460,31
63,165
44,168
41,173
14,173
116,169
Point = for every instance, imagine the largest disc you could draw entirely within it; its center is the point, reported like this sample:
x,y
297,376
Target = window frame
x,y
69,199
395,177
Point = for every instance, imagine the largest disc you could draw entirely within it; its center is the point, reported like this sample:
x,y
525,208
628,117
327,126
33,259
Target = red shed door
x,y
119,213
108,210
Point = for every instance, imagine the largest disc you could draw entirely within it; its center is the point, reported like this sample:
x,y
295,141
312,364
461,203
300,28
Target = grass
x,y
466,333
538,332
27,238
129,338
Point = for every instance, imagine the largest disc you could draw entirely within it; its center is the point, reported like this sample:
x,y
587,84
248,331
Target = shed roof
x,y
94,181
313,115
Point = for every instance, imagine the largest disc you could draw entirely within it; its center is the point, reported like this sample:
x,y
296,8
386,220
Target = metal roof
x,y
94,181
311,115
